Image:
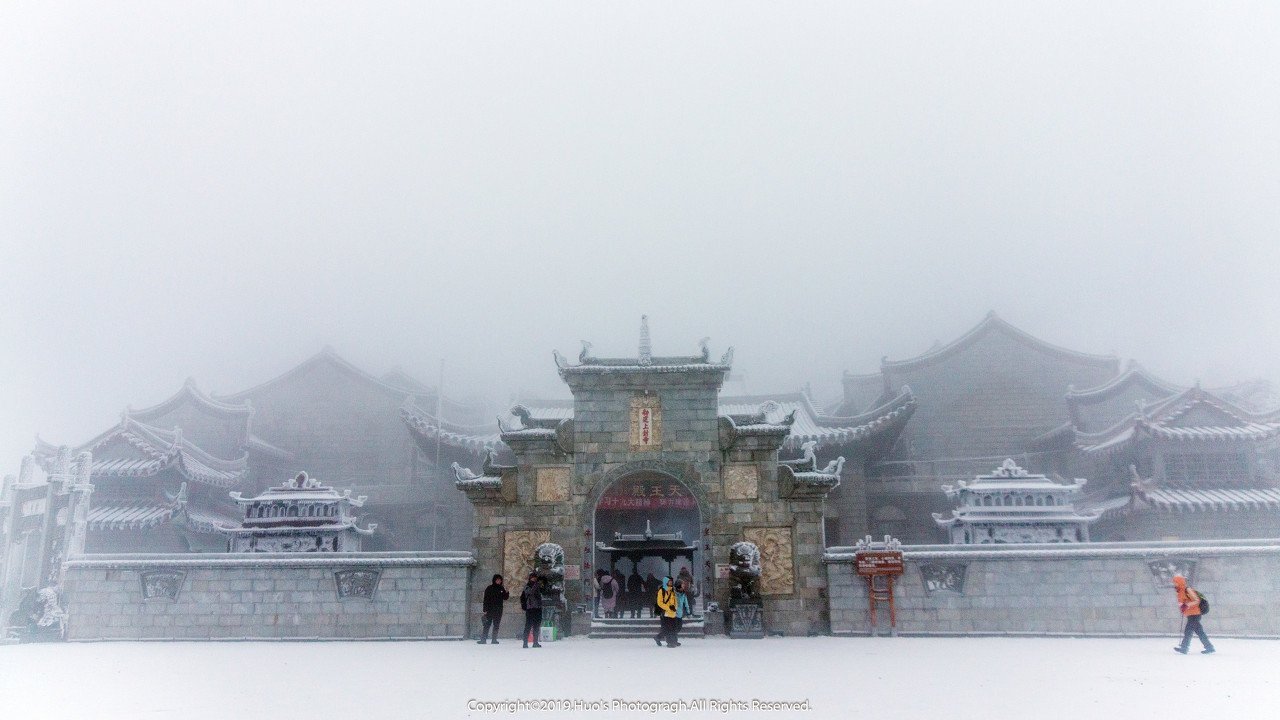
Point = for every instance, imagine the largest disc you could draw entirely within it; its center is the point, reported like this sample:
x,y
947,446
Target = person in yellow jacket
x,y
667,601
1189,603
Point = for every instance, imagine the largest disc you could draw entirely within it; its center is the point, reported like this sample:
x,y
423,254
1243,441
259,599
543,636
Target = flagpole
x,y
435,521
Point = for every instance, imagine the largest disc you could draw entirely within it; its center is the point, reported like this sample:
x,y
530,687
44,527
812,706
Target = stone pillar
x,y
52,539
78,505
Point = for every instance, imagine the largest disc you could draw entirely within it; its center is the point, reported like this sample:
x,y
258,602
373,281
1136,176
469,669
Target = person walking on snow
x,y
682,610
1189,602
531,604
667,602
494,596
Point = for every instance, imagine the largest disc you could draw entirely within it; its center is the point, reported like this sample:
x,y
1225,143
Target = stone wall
x,y
267,596
1106,589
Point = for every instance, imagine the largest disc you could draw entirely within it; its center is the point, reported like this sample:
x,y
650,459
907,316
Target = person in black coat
x,y
531,604
494,596
636,596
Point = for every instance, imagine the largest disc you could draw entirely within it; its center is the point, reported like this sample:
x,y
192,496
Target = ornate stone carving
x,y
517,553
744,571
552,484
646,423
162,584
1026,534
356,584
943,577
741,482
777,575
1163,570
747,621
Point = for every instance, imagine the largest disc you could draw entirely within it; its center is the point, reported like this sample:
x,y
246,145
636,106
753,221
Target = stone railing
x,y
1101,589
267,596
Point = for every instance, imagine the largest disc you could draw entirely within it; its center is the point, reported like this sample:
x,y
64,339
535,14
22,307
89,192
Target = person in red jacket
x,y
1189,602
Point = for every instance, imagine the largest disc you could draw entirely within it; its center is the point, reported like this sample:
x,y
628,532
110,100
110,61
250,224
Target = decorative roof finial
x,y
646,348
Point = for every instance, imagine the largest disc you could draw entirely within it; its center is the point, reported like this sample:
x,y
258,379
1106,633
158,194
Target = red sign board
x,y
649,492
878,563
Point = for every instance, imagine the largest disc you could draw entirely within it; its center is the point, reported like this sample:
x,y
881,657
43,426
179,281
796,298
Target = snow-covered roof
x,y
1218,499
994,324
789,414
140,450
128,516
1192,415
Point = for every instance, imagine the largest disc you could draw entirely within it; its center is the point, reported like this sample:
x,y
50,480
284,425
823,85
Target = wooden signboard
x,y
879,563
883,566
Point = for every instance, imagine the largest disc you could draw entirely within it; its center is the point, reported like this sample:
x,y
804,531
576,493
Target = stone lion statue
x,y
744,573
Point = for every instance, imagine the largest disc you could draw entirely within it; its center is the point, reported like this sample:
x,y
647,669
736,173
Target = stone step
x,y
640,627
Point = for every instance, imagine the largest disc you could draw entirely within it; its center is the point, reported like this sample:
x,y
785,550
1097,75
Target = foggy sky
x,y
221,190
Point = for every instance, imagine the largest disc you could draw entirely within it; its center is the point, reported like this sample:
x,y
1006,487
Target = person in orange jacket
x,y
1189,602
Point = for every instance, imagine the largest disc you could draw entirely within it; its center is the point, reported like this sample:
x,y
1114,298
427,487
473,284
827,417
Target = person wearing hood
x,y
531,604
668,604
682,609
1189,603
494,596
609,592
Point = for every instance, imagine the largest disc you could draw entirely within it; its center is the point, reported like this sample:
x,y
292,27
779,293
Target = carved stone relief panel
x,y
646,423
162,584
943,577
517,553
552,484
1163,570
356,584
741,482
777,575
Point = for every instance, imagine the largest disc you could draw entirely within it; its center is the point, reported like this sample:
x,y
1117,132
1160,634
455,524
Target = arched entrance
x,y
647,524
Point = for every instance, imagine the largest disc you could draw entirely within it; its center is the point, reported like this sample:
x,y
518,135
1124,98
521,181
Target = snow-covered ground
x,y
879,678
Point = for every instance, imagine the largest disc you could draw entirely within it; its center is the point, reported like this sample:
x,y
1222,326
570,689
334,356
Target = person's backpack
x,y
607,591
1204,603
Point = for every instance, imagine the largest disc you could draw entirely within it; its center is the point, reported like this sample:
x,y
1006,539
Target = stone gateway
x,y
648,477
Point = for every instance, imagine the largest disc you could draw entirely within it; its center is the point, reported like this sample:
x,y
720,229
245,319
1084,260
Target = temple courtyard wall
x,y
1101,589
1098,589
267,596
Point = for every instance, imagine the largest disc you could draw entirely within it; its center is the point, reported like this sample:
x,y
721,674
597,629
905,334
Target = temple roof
x,y
812,424
1035,498
135,449
994,324
476,439
644,361
791,414
396,384
129,516
1100,407
190,393
1192,415
1010,478
1218,499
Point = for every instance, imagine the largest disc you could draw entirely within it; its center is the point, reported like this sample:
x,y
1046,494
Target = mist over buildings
x,y
220,191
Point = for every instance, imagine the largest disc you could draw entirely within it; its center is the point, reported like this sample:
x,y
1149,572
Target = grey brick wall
x,y
1100,589
269,596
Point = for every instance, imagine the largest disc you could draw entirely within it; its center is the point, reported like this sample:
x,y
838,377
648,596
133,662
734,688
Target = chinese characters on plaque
x,y
651,493
646,423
